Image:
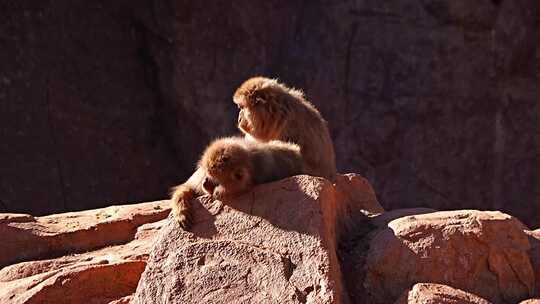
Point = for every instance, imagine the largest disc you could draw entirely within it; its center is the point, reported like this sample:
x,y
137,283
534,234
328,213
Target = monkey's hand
x,y
180,205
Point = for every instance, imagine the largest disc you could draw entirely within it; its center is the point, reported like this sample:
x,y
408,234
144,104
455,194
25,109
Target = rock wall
x,y
81,108
435,101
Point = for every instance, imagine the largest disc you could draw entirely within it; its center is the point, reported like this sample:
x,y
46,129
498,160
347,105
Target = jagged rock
x,y
484,253
124,300
438,294
353,251
358,191
361,204
534,254
276,244
108,273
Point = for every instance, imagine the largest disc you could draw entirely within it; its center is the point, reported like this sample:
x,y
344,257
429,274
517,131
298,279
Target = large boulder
x,y
276,244
484,253
426,293
94,256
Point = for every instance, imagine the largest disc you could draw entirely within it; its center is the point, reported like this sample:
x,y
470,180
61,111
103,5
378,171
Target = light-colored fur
x,y
271,111
234,165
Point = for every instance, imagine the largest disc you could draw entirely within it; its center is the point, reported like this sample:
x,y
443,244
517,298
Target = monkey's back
x,y
276,160
310,131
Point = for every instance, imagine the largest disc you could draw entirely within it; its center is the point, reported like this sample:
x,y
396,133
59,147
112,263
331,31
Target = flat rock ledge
x,y
94,256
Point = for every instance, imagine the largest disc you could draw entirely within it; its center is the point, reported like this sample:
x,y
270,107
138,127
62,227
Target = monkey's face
x,y
221,185
259,114
227,171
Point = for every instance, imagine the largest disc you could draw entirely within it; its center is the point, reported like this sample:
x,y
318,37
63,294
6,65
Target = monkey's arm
x,y
182,194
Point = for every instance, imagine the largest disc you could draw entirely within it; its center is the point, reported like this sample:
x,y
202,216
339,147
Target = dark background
x,y
436,102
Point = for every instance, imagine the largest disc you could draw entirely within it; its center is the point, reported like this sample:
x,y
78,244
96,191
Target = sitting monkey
x,y
271,111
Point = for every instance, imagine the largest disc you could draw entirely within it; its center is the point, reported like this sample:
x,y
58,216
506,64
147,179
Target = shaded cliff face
x,y
83,118
436,102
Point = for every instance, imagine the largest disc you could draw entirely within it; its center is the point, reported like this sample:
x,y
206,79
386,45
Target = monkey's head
x,y
264,107
228,168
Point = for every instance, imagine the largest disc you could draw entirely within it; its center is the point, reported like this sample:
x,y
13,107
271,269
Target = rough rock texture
x,y
25,237
95,256
438,294
484,253
358,193
361,204
274,245
530,301
434,101
534,253
124,300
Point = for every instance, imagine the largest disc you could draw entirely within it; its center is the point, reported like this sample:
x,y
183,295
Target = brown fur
x,y
270,111
234,165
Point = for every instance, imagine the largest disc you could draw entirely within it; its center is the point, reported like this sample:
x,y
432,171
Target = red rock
x,y
80,284
382,220
97,256
423,293
100,276
275,244
484,253
358,191
534,254
26,238
123,300
359,203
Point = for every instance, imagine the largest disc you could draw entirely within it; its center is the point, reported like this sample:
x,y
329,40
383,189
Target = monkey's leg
x,y
183,194
180,205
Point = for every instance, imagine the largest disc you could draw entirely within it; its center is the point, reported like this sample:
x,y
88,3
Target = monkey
x,y
268,111
232,166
